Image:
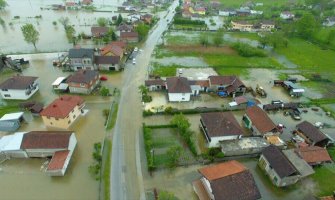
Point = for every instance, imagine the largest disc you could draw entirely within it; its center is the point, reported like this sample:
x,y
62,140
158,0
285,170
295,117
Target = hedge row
x,y
148,147
184,21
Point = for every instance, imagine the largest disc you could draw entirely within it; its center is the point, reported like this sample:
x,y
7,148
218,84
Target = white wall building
x,y
19,87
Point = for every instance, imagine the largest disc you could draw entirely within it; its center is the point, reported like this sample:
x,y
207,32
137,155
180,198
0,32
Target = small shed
x,y
11,121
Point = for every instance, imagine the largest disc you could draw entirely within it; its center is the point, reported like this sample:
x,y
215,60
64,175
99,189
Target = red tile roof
x,y
61,107
202,83
46,140
83,76
114,49
98,31
178,85
221,170
314,154
58,160
124,35
260,119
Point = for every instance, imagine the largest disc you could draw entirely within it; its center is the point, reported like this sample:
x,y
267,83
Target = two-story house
x,y
178,88
62,112
226,85
19,87
81,58
83,81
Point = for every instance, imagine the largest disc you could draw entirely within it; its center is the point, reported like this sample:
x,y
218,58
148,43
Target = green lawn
x,y
251,36
324,178
310,57
8,109
236,3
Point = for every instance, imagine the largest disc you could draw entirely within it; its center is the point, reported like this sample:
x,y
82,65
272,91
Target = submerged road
x,y
126,176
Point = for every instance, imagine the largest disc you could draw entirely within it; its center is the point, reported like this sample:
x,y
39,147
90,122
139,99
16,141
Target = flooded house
x,y
226,85
219,126
124,28
57,145
110,63
242,26
113,49
178,89
83,81
129,37
63,112
312,135
11,121
284,168
155,84
81,58
229,180
258,121
19,87
99,32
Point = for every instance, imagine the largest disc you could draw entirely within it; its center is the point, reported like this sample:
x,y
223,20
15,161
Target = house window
x,y
7,95
74,116
48,117
51,123
69,122
57,119
4,89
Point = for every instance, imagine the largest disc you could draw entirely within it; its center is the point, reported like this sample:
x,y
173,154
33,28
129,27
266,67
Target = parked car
x,y
277,102
295,115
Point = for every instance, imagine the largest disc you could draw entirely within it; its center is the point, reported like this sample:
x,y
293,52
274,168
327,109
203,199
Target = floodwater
x,y
52,38
25,175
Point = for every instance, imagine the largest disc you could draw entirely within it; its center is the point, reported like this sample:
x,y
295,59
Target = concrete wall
x,y
106,67
16,154
179,96
62,123
41,153
215,141
19,94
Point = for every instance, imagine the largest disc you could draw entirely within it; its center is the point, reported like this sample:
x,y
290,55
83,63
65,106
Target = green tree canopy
x,y
70,34
165,195
102,21
3,4
173,154
64,21
218,38
30,34
306,26
142,30
181,122
119,20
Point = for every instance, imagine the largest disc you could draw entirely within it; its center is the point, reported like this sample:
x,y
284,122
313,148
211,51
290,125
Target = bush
x,y
246,50
184,21
104,91
95,168
54,23
147,113
147,134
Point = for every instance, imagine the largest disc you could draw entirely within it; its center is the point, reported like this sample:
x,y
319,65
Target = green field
x,y
324,177
236,3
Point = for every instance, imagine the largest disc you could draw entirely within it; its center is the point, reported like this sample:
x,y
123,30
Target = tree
x,y
165,195
204,41
181,122
64,21
110,36
331,36
306,26
104,91
119,20
218,38
70,34
173,154
3,4
143,90
142,30
30,34
102,21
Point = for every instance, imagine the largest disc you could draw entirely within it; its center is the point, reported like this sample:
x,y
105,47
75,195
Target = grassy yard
x,y
106,170
8,109
246,35
324,177
310,57
112,117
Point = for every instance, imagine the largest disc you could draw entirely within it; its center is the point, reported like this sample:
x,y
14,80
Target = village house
x,y
81,58
330,21
258,121
86,2
227,12
83,81
198,86
243,11
228,180
266,25
314,155
124,28
115,48
71,5
146,18
57,145
242,26
178,89
110,63
98,32
129,37
286,15
279,167
256,12
155,84
219,126
62,112
240,102
311,134
226,85
19,87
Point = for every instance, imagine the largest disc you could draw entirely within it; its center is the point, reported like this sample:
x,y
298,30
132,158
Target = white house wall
x,y
18,94
179,96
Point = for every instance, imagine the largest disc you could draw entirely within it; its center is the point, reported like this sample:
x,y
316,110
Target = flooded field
x,y
52,37
184,61
25,175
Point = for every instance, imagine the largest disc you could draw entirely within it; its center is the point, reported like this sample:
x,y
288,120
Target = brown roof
x,y
231,82
221,124
119,43
114,49
154,82
107,59
230,181
83,76
178,85
18,82
221,170
98,31
46,140
129,35
61,107
311,132
260,119
314,154
202,83
58,160
240,100
278,161
124,27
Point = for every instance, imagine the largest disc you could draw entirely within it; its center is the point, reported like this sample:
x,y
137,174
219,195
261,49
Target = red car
x,y
103,78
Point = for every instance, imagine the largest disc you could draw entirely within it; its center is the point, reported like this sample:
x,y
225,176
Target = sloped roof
x,y
83,76
221,124
46,140
98,31
260,119
221,80
114,49
61,107
58,160
18,82
221,170
154,82
311,131
178,85
202,83
129,35
240,100
278,161
81,53
124,27
314,154
107,60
